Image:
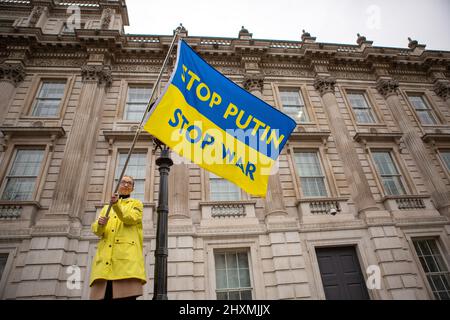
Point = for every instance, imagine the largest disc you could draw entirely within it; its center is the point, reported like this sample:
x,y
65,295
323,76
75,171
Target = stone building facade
x,y
362,190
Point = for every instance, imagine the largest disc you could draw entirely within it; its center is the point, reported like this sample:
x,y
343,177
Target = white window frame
x,y
132,86
432,114
234,251
446,263
38,185
236,243
397,167
37,98
370,109
209,185
302,108
321,165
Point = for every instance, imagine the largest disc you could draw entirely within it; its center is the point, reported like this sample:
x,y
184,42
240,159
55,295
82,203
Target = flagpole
x,y
147,109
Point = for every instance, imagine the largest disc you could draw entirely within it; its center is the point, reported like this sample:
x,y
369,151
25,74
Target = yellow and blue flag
x,y
208,119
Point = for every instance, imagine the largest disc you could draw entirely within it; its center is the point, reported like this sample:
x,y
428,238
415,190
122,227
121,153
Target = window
x,y
223,190
21,178
423,110
434,267
293,104
137,100
48,99
309,169
446,158
136,169
388,172
3,260
361,108
232,276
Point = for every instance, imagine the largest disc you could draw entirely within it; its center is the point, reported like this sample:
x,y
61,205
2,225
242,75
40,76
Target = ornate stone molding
x,y
387,87
106,19
253,83
35,15
96,73
324,85
442,89
13,73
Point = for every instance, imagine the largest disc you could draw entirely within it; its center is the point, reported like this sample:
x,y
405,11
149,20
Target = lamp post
x,y
164,162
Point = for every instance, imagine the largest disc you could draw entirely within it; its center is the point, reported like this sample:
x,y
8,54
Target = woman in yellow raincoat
x,y
118,268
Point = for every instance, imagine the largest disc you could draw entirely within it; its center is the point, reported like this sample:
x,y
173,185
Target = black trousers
x,y
109,293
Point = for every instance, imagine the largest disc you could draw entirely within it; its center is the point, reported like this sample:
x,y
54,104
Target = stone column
x,y
274,198
73,180
357,182
413,142
11,74
179,192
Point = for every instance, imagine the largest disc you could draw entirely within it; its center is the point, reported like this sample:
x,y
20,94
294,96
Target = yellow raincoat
x,y
120,250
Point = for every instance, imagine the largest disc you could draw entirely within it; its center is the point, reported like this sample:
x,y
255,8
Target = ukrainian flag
x,y
208,119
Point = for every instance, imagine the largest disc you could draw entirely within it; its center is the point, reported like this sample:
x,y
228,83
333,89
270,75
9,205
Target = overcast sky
x,y
385,22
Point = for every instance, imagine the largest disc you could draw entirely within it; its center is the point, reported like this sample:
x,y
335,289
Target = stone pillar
x,y
274,198
71,187
179,192
413,142
357,182
11,74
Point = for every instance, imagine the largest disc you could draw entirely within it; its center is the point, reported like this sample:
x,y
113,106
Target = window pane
x,y
221,279
136,169
137,100
244,278
222,296
246,295
234,295
233,278
293,104
48,99
242,260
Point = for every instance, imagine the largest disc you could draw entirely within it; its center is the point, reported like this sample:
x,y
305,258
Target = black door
x,y
341,274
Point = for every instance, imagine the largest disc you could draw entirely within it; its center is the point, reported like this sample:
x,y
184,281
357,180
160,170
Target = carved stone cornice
x,y
98,73
387,87
253,82
324,85
13,73
35,15
106,18
442,89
